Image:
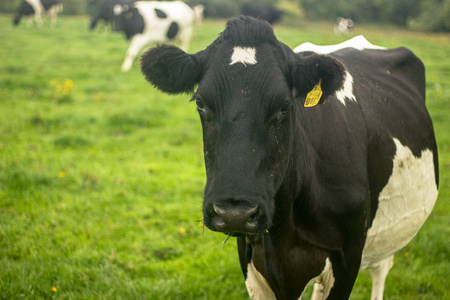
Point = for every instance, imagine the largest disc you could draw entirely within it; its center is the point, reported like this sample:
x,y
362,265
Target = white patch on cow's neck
x,y
347,90
257,285
403,206
244,55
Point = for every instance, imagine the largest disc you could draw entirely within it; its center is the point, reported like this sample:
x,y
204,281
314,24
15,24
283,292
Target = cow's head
x,y
251,89
16,18
122,13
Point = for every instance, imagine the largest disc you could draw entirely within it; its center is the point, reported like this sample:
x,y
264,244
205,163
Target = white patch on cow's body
x,y
155,29
322,283
244,55
259,289
257,286
347,90
404,204
358,42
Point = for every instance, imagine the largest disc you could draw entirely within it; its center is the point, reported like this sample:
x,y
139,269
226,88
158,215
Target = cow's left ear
x,y
170,69
312,71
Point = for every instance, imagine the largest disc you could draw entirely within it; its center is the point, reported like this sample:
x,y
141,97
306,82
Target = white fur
x,y
322,283
347,90
198,12
244,55
259,289
358,42
257,286
404,204
379,273
155,28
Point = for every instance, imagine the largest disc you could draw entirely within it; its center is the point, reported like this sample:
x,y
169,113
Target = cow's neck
x,y
269,257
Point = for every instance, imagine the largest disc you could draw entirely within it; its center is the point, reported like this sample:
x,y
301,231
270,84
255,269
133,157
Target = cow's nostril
x,y
237,218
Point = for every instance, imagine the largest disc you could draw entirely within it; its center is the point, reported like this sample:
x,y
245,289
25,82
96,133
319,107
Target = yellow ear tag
x,y
313,97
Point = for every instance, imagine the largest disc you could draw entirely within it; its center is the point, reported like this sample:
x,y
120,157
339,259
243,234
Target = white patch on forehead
x,y
404,204
358,42
347,89
257,285
244,55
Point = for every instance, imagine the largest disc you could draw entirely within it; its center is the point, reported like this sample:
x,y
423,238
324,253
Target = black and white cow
x,y
148,22
320,165
105,11
265,12
36,8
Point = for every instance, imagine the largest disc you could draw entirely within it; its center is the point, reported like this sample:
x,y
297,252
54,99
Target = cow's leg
x,y
379,274
37,14
52,13
326,282
30,21
38,19
137,43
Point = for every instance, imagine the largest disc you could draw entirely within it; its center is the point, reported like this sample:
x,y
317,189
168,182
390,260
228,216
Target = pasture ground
x,y
101,176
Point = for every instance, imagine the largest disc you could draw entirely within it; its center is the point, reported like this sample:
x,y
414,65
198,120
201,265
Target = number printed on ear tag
x,y
313,97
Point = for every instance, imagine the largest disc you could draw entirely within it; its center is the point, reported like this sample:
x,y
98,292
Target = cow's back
x,y
175,11
389,87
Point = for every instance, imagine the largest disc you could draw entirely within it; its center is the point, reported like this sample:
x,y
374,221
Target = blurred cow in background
x,y
268,13
199,11
149,22
37,8
343,26
105,11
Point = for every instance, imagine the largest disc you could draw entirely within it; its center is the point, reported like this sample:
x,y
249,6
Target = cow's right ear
x,y
170,69
311,70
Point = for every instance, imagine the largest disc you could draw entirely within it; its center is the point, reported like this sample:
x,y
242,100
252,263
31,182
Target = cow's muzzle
x,y
234,219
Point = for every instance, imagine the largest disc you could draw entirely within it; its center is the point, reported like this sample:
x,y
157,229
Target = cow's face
x,y
246,114
119,15
247,99
16,18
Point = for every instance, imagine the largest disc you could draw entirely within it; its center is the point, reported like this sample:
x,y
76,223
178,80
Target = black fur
x,y
173,30
171,69
160,14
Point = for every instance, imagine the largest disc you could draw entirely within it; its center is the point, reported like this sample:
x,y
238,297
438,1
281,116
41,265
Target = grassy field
x,y
101,176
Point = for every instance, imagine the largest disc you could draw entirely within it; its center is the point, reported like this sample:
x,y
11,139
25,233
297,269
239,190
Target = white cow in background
x,y
343,26
146,22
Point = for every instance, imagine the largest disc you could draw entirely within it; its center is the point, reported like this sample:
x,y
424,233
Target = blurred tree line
x,y
425,15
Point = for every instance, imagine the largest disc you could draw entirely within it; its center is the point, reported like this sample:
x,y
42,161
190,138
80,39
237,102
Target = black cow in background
x,y
105,11
37,8
268,13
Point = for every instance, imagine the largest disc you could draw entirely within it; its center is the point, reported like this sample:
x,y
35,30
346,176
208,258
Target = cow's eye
x,y
200,105
285,106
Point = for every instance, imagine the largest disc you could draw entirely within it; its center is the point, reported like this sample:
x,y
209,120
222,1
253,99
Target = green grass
x,y
101,189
